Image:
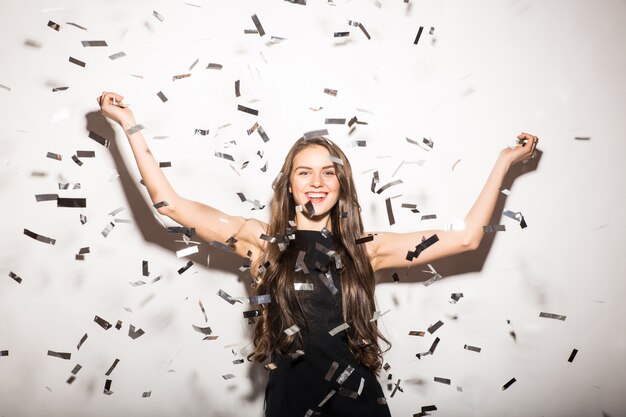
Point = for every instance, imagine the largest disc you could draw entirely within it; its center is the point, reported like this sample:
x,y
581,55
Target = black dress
x,y
323,378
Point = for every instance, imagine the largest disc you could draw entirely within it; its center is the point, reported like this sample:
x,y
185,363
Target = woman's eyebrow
x,y
305,167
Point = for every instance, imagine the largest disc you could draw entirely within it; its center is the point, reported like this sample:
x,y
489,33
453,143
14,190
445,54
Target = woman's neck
x,y
313,223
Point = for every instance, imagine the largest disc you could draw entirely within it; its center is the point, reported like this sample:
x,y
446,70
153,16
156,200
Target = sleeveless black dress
x,y
322,378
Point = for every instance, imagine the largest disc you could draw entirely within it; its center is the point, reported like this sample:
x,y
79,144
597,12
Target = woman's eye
x,y
329,173
303,173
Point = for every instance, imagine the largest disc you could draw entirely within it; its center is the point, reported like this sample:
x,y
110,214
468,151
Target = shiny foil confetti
x,y
82,340
341,34
187,251
572,355
77,62
432,329
226,297
102,141
112,367
261,299
162,96
292,330
180,76
330,92
40,238
204,330
390,216
254,313
224,156
134,333
107,387
472,348
338,329
53,25
419,34
490,228
388,185
331,121
508,384
228,376
365,239
15,277
552,316
315,134
72,202
442,380
428,217
213,65
247,110
185,268
378,314
257,24
582,138
146,394
4,353
417,333
102,323
422,247
89,44
60,355
134,129
76,25
303,286
117,55
85,154
263,135
158,16
55,156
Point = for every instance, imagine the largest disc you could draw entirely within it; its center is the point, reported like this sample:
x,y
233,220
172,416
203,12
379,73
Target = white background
x,y
490,70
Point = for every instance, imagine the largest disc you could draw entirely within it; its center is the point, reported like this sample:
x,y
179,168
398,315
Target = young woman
x,y
315,266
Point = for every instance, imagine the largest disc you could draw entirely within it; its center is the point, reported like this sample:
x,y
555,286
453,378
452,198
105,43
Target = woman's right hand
x,y
112,106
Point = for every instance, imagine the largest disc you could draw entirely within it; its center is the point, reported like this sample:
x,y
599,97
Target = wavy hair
x,y
357,275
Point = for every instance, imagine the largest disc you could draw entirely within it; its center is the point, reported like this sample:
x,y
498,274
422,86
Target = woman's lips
x,y
316,197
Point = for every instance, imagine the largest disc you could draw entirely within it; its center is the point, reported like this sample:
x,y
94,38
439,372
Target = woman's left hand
x,y
525,148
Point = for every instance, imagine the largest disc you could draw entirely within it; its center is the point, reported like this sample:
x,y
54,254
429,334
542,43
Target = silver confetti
x,y
338,329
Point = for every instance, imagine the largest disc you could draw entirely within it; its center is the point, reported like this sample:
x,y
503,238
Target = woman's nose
x,y
316,180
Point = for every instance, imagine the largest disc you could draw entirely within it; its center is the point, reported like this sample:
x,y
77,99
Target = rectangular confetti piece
x,y
552,316
88,44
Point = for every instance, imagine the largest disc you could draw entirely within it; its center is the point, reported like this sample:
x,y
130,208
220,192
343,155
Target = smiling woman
x,y
316,263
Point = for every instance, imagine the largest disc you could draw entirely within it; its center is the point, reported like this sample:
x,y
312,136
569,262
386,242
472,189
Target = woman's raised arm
x,y
390,250
210,224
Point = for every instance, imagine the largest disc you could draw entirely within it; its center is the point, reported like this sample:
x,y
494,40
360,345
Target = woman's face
x,y
313,178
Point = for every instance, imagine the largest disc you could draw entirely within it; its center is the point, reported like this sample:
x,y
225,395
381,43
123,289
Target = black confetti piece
x,y
82,340
472,348
237,88
552,316
160,204
107,387
330,92
257,24
88,44
572,355
508,384
85,154
53,25
341,34
56,156
442,380
61,355
76,369
146,394
432,329
421,247
390,217
335,121
77,62
364,239
214,66
72,202
102,323
203,330
247,110
252,313
40,238
165,164
162,96
315,133
419,33
4,353
15,277
46,197
263,134
144,269
112,367
134,333
185,268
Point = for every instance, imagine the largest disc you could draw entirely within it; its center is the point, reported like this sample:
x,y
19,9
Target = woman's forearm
x,y
159,188
482,210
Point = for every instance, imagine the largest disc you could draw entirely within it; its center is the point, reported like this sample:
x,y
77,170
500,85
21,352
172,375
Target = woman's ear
x,y
289,188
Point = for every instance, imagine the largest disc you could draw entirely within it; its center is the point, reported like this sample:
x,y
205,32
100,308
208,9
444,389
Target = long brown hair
x,y
357,276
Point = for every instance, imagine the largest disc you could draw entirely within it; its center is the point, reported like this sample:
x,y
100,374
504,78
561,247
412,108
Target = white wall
x,y
490,70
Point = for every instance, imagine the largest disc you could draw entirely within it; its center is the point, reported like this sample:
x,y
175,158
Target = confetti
x,y
158,16
61,355
112,367
508,384
456,296
187,251
338,329
330,92
185,268
335,121
572,355
117,55
552,316
247,110
263,134
86,154
134,129
442,380
72,202
228,376
422,247
102,323
303,286
107,387
365,239
261,299
102,141
54,156
432,329
252,313
388,185
257,24
227,297
146,394
15,277
215,66
377,315
134,334
4,353
76,25
390,217
40,238
341,34
419,33
89,44
490,228
53,25
82,340
417,333
582,138
4,87
203,330
162,96
292,330
160,204
77,62
472,348
180,76
315,133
